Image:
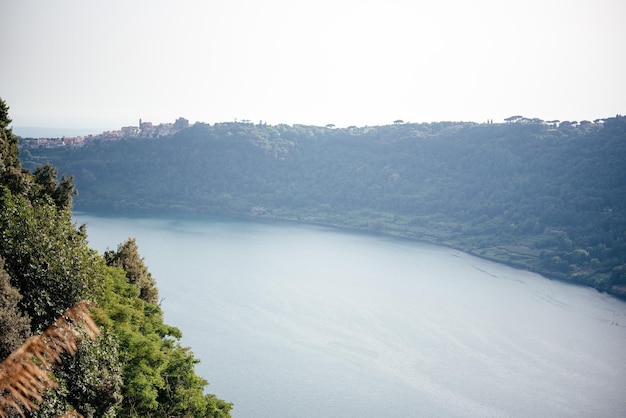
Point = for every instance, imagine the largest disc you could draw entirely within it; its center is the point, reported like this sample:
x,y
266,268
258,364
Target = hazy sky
x,y
105,64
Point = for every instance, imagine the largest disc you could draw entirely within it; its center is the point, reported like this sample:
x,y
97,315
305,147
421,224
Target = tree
x,y
25,373
553,123
92,378
127,256
158,374
514,118
47,258
46,183
8,146
11,174
182,393
14,325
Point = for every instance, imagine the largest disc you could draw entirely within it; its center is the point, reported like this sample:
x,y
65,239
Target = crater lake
x,y
301,321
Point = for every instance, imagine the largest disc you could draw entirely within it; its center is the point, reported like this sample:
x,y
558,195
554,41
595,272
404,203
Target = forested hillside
x,y
129,363
547,198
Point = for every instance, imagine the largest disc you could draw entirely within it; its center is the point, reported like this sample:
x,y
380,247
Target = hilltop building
x,y
181,123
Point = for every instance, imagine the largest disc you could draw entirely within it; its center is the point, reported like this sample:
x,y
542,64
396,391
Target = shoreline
x,y
293,220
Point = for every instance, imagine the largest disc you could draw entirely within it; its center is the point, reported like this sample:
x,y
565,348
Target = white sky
x,y
105,64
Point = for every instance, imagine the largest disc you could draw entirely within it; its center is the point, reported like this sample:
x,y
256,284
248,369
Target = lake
x,y
302,321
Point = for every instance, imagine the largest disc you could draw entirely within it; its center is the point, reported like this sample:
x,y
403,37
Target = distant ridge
x,y
545,197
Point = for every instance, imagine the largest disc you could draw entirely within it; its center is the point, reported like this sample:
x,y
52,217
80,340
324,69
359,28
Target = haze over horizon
x,y
77,66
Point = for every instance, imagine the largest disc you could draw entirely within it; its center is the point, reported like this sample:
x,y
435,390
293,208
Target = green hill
x,y
545,198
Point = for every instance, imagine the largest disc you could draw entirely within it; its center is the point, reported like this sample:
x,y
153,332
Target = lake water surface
x,y
299,321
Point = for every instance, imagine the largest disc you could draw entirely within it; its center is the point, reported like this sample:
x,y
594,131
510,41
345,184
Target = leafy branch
x,y
25,375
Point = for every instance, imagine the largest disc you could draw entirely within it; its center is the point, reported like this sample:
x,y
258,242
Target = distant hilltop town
x,y
149,130
144,130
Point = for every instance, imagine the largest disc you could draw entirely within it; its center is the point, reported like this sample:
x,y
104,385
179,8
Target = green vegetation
x,y
137,366
546,197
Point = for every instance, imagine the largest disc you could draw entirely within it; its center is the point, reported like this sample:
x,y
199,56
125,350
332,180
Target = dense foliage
x,y
548,198
137,366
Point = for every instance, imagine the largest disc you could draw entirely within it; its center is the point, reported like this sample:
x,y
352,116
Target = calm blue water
x,y
298,321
